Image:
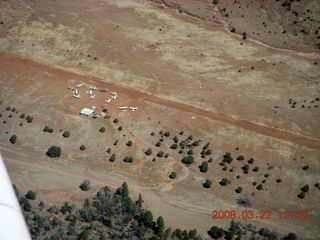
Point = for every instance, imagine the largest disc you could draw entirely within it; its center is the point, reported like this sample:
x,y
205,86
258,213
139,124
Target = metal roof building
x,y
86,111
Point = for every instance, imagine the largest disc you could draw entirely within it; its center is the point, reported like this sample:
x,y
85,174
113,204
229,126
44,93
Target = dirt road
x,y
265,130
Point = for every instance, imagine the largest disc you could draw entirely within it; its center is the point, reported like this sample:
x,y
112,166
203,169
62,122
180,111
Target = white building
x,y
86,111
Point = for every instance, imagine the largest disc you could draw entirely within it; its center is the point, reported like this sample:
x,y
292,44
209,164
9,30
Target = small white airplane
x,y
194,117
102,114
108,101
113,93
77,96
114,97
75,92
92,97
93,88
133,108
122,108
79,85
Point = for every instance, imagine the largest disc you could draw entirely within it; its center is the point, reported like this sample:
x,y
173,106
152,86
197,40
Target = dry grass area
x,y
174,61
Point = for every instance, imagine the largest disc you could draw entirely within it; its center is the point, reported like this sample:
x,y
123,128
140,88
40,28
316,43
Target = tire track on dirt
x,y
260,129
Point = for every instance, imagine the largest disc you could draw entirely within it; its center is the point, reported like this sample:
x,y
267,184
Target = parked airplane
x,y
92,97
194,117
133,108
113,93
79,85
122,108
77,96
93,88
108,101
114,97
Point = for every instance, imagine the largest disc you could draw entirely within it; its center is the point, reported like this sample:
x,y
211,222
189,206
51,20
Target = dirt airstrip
x,y
253,97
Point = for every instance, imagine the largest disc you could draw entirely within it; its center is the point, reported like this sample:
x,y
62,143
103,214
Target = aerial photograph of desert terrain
x,y
162,119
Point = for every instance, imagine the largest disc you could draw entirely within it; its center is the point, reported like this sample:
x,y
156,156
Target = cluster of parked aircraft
x,y
114,96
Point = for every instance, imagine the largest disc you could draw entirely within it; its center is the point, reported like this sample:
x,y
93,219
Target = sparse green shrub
x,y
22,115
205,147
50,130
112,158
290,236
166,155
85,185
233,30
66,134
29,119
255,169
31,195
245,167
208,152
266,175
301,195
195,143
0,114
108,150
188,160
174,146
115,120
225,168
207,184
229,160
305,167
215,1
317,185
152,133
173,175
115,142
120,128
161,132
239,190
210,160
278,180
204,167
46,129
181,132
254,183
175,139
128,159
224,182
54,151
180,151
148,152
305,188
160,154
264,181
238,176
158,144
167,134
102,129
240,157
10,115
13,139
82,147
251,160
129,143
260,187
190,152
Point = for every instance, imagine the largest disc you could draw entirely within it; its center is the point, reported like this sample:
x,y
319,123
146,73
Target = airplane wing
x,y
12,223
